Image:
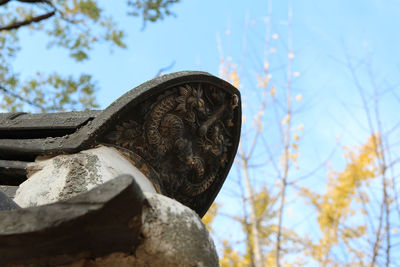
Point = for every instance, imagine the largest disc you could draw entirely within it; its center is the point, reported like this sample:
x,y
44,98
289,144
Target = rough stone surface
x,y
64,176
172,235
9,190
7,203
103,221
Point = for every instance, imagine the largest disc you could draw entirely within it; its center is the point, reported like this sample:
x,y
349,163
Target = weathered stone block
x,y
64,176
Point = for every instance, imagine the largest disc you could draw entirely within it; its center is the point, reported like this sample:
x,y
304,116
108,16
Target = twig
x,y
160,71
287,143
246,220
315,170
8,92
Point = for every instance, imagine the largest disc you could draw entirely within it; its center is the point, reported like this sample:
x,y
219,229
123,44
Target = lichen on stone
x,y
83,170
174,235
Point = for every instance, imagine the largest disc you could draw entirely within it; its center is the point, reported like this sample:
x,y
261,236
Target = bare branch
x,y
246,220
28,21
361,93
377,241
259,129
271,157
258,257
315,170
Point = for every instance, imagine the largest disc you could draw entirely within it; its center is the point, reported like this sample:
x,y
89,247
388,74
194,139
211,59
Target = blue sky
x,y
323,32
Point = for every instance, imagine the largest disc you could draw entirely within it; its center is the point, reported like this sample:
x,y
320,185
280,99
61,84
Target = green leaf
x,y
79,55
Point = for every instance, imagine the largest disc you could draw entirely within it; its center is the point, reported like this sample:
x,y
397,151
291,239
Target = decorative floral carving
x,y
184,135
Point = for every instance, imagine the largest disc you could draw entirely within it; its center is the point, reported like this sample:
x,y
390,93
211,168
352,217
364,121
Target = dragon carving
x,y
184,135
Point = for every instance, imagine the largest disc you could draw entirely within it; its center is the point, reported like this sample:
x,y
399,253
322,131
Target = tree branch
x,y
27,22
35,1
3,2
10,93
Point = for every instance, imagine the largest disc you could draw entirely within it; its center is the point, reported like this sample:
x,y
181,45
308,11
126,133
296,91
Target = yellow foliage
x,y
231,257
273,91
334,207
266,66
341,186
262,81
271,258
263,202
294,156
210,215
285,120
234,79
227,72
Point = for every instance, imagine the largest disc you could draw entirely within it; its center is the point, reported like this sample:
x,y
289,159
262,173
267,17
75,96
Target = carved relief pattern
x,y
184,135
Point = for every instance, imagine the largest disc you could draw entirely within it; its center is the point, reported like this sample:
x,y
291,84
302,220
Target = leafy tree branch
x,y
28,21
78,26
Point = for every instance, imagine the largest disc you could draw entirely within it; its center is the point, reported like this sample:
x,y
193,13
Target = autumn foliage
x,y
352,216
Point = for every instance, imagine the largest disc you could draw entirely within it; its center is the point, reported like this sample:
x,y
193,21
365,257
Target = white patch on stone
x,y
64,176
